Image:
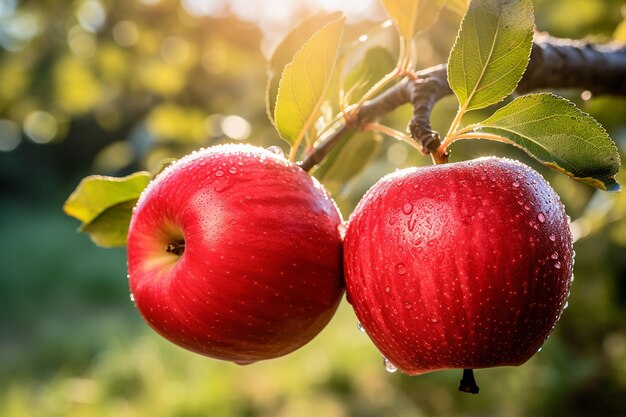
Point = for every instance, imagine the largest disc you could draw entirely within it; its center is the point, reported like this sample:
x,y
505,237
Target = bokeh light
x,y
236,127
41,127
126,33
92,15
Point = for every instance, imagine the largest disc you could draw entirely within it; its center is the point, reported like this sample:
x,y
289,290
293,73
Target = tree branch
x,y
554,64
564,63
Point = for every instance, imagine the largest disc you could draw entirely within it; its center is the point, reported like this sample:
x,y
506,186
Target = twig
x,y
554,64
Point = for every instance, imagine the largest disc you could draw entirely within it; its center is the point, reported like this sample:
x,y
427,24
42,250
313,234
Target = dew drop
x,y
541,217
434,320
557,265
233,221
219,173
539,350
232,170
387,289
248,197
132,297
408,306
360,327
341,228
552,238
401,269
515,184
389,367
554,255
565,305
407,208
276,150
572,278
527,207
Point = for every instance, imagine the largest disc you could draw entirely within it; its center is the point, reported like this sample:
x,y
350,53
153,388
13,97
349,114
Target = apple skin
x,y
261,270
462,265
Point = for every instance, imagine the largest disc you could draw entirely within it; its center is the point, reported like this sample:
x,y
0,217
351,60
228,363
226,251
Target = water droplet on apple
x,y
341,228
539,350
219,173
360,327
233,221
232,170
557,265
565,305
541,217
401,269
389,367
554,255
387,289
434,320
515,184
572,278
407,208
132,297
527,207
276,150
248,197
408,306
552,238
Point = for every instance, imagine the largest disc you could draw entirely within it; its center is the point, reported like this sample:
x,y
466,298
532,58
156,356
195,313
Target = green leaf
x,y
98,202
375,64
347,160
285,51
413,16
557,133
304,81
110,228
491,51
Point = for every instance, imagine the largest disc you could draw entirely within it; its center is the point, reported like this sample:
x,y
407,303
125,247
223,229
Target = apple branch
x,y
554,64
565,63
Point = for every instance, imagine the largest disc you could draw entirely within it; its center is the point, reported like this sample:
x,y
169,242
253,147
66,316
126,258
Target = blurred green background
x,y
98,86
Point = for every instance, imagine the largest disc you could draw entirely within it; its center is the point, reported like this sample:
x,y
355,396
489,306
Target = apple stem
x,y
177,248
468,383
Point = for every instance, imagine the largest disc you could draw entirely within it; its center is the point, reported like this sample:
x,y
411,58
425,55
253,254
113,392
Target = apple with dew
x,y
462,265
235,253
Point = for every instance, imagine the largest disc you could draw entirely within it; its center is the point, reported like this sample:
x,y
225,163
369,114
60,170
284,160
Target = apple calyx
x,y
177,248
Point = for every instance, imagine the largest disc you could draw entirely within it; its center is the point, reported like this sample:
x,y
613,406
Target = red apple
x,y
235,253
463,265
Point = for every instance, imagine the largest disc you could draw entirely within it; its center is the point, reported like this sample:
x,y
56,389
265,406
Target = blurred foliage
x,y
103,87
